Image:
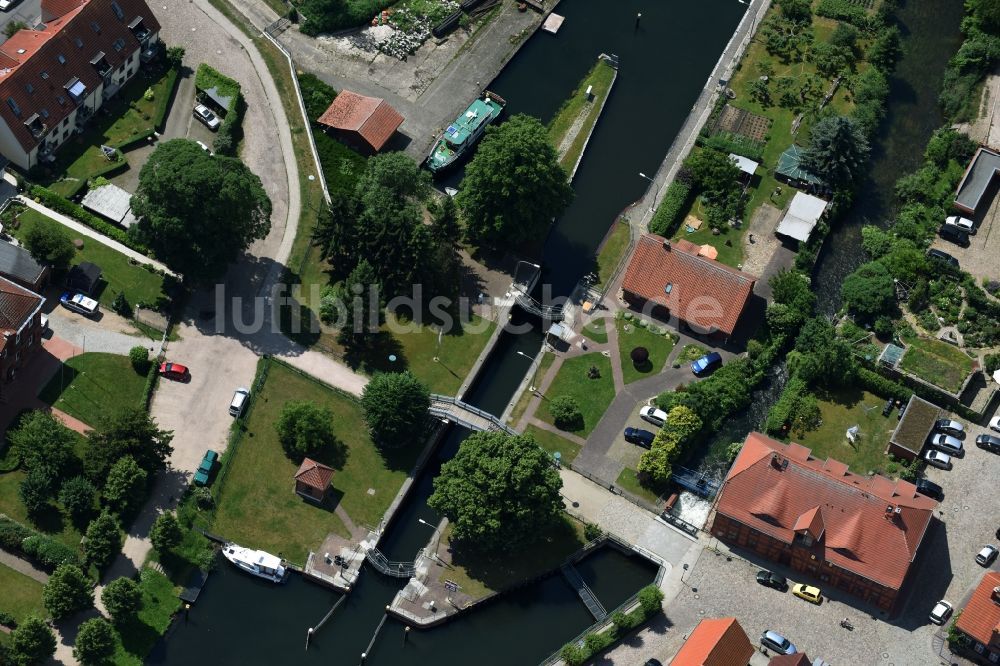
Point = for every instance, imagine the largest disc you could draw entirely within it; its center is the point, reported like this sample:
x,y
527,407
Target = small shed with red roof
x,y
312,481
365,123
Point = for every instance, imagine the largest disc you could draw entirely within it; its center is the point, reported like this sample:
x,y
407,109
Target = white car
x,y
963,223
79,303
995,423
657,417
203,147
7,4
941,612
210,120
938,459
986,556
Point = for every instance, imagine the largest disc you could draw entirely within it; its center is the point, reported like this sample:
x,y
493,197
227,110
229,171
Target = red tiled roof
x,y
313,474
17,304
872,526
981,617
702,291
717,642
55,8
41,51
370,117
797,659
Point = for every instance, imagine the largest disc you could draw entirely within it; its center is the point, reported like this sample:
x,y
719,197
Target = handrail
x,y
390,568
463,406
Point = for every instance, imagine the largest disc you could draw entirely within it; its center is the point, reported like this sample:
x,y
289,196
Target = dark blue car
x,y
706,363
643,438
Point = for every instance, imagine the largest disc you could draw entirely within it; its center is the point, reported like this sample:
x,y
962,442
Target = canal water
x,y
931,36
664,63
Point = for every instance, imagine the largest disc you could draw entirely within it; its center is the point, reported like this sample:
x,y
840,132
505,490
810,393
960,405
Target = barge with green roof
x,y
465,131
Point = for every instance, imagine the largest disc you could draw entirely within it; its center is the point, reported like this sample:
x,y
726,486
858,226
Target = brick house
x,y
364,123
312,480
673,279
980,619
20,328
859,534
54,79
715,642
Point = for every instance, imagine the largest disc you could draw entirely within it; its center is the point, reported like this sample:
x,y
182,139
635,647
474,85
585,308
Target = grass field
x,y
628,480
92,384
22,596
456,354
137,282
257,506
842,410
580,113
612,251
937,362
593,395
159,603
596,330
522,402
479,576
631,336
552,442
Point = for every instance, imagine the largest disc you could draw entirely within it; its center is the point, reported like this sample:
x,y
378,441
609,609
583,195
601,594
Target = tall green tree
x,y
305,428
125,488
869,291
36,489
42,442
49,244
501,492
395,406
67,591
166,532
820,357
197,211
130,431
361,296
33,642
336,231
95,641
104,540
837,152
122,598
77,497
514,186
717,178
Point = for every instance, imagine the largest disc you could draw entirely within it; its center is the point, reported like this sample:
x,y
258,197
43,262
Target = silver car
x,y
209,119
937,459
948,444
950,427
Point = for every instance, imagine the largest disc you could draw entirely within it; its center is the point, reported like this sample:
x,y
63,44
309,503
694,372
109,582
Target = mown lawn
x,y
596,330
159,603
552,443
577,105
628,480
478,575
257,506
456,353
91,384
844,409
631,336
937,362
612,251
22,596
522,402
140,284
593,395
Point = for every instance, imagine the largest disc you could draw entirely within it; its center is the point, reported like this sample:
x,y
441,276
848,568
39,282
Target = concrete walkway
x,y
23,567
84,230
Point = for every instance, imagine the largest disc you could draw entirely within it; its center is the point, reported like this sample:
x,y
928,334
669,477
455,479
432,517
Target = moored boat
x,y
465,131
255,562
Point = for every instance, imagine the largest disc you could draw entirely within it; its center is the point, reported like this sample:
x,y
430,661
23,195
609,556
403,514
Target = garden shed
x,y
791,171
110,202
360,121
802,216
84,277
915,425
312,480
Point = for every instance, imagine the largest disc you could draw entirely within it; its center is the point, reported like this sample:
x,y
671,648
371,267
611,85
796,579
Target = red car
x,y
175,371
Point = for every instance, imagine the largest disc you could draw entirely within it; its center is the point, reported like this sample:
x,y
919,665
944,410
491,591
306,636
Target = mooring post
x,y
363,656
406,633
637,18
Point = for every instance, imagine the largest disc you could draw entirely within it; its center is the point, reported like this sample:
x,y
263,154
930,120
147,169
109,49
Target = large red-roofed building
x,y
55,78
20,328
715,642
364,122
672,279
859,534
980,619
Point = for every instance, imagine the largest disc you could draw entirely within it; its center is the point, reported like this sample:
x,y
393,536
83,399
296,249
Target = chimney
x,y
666,245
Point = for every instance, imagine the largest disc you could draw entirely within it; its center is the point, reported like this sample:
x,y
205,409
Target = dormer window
x,y
61,58
45,113
78,42
95,26
116,8
61,100
13,106
76,88
45,75
100,63
119,44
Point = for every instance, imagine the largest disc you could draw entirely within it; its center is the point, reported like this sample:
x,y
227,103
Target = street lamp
x,y
642,175
434,552
531,384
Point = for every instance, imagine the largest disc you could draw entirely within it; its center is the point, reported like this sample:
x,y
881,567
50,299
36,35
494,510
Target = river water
x,y
664,63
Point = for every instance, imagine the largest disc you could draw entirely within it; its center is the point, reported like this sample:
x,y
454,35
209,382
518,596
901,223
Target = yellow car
x,y
808,592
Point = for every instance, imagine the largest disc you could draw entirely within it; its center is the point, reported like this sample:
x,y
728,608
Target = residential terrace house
x,y
859,534
980,619
53,79
20,328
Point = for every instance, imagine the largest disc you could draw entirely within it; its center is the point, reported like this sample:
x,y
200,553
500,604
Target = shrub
x,y
67,591
639,356
843,10
104,540
175,56
33,642
304,429
592,532
77,497
667,216
139,356
992,363
566,412
573,655
8,620
650,599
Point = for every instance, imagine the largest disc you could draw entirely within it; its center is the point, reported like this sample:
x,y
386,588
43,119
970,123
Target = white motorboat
x,y
256,562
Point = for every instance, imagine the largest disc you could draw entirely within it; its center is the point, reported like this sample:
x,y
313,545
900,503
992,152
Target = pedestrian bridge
x,y
473,418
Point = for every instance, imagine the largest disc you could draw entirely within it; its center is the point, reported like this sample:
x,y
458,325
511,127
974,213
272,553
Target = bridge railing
x,y
389,568
466,407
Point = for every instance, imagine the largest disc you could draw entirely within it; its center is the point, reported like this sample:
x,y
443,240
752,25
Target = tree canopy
x,y
166,532
129,431
125,488
197,211
43,443
95,641
869,291
32,642
395,406
49,243
499,491
837,152
122,598
304,428
514,186
104,540
67,591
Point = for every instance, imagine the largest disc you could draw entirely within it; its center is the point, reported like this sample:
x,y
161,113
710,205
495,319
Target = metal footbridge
x,y
464,414
585,593
389,568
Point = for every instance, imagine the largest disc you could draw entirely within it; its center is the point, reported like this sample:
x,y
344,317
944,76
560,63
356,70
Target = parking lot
x,y
722,584
979,258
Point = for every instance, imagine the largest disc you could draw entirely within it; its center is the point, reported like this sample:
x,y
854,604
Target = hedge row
x,y
650,600
844,10
152,376
78,213
163,103
667,216
882,386
42,550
